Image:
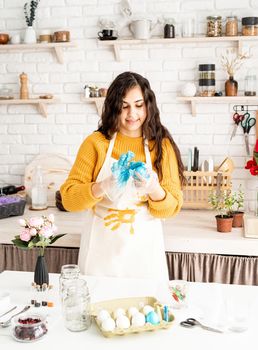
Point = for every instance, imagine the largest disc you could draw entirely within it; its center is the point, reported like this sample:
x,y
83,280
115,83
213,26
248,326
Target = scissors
x,y
247,124
237,118
191,322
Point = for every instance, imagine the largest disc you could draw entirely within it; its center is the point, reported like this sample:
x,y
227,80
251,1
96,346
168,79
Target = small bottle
x,y
250,84
10,189
39,191
86,91
169,28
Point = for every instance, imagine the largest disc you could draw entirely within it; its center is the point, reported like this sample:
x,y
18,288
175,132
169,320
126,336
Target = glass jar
x,y
188,27
250,84
250,26
68,273
207,80
39,190
231,26
29,328
214,26
76,306
169,28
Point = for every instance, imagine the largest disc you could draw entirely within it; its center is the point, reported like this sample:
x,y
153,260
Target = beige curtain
x,y
197,267
12,258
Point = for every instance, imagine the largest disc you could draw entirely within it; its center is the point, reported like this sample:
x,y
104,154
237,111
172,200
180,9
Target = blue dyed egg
x,y
152,317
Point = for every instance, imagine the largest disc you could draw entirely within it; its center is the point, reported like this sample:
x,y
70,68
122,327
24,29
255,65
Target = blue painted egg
x,y
152,317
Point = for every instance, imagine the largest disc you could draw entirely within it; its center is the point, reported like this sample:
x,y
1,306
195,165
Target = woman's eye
x,y
139,106
124,107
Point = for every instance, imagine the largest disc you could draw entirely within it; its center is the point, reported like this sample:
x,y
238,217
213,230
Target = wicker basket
x,y
199,186
125,303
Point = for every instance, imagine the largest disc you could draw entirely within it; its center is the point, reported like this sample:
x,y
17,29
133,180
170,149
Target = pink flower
x,y
46,232
33,231
22,222
36,222
25,235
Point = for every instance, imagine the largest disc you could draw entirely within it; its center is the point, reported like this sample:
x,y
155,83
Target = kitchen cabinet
x,y
57,48
40,103
99,101
217,99
117,44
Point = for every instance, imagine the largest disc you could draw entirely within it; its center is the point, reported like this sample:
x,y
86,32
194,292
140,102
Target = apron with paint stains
x,y
121,238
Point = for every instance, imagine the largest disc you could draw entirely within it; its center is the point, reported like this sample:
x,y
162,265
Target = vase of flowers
x,y
30,15
231,62
38,232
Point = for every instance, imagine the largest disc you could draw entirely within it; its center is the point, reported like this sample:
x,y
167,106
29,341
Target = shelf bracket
x,y
117,52
193,107
42,109
59,54
240,47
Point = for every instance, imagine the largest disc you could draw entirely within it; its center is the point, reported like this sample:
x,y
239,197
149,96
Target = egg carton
x,y
126,303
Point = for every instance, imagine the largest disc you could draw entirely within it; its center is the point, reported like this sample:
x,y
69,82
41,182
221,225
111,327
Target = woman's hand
x,y
149,185
109,187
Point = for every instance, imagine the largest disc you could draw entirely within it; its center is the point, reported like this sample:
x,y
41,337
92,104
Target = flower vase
x,y
41,271
231,87
30,35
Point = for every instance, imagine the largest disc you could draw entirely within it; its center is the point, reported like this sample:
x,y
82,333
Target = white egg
x,y
103,315
146,309
123,322
132,311
138,320
108,325
118,312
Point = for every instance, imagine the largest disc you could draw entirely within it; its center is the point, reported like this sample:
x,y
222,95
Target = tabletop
x,y
210,303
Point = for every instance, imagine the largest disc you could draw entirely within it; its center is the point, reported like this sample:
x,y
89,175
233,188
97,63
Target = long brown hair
x,y
152,127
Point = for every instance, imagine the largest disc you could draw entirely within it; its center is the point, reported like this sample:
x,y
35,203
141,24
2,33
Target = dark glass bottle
x,y
231,87
11,189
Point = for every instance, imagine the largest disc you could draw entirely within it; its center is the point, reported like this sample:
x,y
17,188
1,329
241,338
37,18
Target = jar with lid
x,y
207,80
214,26
169,28
39,190
250,26
250,84
69,273
231,26
76,306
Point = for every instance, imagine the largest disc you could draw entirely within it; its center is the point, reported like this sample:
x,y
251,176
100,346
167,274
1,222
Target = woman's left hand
x,y
147,184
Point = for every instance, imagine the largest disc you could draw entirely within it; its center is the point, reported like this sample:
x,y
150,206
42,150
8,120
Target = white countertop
x,y
190,231
200,306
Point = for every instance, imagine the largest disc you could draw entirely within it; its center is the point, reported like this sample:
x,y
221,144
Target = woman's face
x,y
133,113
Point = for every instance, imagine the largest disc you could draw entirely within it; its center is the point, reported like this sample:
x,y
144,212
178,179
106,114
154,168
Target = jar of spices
x,y
214,26
250,84
250,26
207,80
169,28
231,26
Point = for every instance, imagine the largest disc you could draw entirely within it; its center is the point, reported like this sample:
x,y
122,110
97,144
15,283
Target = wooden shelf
x,y
99,101
116,44
56,47
217,99
40,102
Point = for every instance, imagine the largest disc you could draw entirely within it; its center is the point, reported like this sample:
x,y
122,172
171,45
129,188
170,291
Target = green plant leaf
x,y
55,238
19,243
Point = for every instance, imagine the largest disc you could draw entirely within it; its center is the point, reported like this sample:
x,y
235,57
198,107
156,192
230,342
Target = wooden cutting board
x,y
55,169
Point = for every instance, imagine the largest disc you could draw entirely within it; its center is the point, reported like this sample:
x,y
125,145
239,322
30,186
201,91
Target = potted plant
x,y
222,202
238,203
30,15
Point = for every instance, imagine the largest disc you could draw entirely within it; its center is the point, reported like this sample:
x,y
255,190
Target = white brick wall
x,y
24,133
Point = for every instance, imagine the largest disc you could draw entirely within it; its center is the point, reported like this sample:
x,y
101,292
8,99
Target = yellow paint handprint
x,y
119,217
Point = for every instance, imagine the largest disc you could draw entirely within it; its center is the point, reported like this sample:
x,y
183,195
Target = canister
x,y
250,26
231,26
207,80
214,26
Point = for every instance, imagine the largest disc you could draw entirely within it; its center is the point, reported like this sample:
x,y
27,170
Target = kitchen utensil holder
x,y
199,185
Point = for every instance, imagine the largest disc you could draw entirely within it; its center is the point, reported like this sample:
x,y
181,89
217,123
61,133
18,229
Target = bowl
x,y
29,327
4,38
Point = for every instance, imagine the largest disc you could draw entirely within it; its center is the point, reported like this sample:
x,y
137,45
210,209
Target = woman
x,y
123,237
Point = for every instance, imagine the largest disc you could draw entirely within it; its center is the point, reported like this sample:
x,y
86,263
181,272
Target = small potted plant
x,y
238,204
30,15
223,202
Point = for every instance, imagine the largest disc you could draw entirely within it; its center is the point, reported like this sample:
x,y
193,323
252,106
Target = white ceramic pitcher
x,y
142,28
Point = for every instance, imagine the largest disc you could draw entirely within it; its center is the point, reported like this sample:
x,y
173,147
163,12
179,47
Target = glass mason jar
x,y
214,26
169,28
250,26
76,306
231,26
250,84
207,80
68,273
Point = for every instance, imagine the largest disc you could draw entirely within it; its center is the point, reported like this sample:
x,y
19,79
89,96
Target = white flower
x,y
51,218
36,222
22,222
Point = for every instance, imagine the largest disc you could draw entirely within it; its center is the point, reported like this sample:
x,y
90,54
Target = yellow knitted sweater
x,y
76,191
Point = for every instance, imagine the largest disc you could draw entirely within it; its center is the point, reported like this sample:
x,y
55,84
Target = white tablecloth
x,y
207,302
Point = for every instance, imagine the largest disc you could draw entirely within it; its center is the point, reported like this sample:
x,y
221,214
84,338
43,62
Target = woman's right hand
x,y
108,187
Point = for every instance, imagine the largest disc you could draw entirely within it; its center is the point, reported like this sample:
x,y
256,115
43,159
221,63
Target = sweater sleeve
x,y
173,200
76,191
